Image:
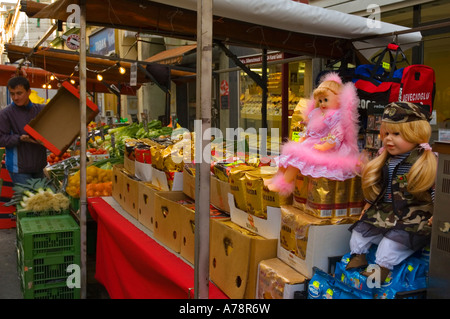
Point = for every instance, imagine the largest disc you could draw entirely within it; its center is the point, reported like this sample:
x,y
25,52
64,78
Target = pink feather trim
x,y
332,76
284,188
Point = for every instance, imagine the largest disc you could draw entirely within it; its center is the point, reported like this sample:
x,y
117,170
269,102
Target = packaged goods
x,y
277,280
237,185
356,197
321,197
222,169
411,274
300,194
324,286
341,199
258,196
295,226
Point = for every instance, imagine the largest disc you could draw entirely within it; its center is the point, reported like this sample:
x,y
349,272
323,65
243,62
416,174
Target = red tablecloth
x,y
132,265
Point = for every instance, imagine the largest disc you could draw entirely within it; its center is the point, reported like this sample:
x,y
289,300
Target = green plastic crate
x,y
52,291
44,236
20,213
39,272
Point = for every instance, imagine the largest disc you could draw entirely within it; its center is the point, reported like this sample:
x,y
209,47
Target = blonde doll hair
x,y
325,87
422,174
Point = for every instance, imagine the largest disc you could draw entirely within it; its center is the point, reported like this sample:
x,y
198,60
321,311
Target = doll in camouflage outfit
x,y
398,188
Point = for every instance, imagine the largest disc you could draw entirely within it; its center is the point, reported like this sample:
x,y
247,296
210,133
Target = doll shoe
x,y
278,184
357,261
384,272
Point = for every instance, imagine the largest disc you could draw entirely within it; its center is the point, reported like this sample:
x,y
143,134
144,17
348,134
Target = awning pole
x,y
83,203
202,178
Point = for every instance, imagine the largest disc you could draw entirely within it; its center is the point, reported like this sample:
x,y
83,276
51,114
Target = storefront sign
x,y
258,58
103,42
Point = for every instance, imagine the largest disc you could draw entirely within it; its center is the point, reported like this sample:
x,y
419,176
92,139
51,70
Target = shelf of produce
x,y
131,264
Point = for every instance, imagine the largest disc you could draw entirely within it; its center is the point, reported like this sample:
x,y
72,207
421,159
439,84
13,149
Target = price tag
x,y
386,66
295,136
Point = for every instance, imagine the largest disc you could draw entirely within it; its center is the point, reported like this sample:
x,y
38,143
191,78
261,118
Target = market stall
x,y
323,47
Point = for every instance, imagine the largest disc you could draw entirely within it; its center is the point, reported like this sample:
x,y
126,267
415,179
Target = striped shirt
x,y
402,169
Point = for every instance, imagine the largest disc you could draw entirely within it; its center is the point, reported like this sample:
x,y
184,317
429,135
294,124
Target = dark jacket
x,y
405,220
21,157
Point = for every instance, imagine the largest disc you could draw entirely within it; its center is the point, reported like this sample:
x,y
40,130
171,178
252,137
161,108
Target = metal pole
x,y
83,202
202,178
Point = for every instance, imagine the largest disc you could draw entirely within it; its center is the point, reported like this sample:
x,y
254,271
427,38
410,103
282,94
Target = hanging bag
x,y
418,85
375,87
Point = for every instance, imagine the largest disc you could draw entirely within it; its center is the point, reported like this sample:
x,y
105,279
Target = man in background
x,y
25,157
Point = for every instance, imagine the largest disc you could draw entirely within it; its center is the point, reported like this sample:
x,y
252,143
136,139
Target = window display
x,y
251,96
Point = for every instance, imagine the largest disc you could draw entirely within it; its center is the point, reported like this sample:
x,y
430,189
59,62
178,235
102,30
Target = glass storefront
x,y
434,51
251,97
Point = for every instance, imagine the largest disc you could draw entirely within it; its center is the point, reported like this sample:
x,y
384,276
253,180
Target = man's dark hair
x,y
19,80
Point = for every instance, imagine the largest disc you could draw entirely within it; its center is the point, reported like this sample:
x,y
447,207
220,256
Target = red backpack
x,y
418,85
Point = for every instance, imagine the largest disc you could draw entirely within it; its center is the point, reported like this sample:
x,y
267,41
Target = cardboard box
x,y
277,280
129,165
117,184
268,228
187,249
188,184
234,257
169,214
311,241
58,124
146,204
219,190
160,180
143,171
130,187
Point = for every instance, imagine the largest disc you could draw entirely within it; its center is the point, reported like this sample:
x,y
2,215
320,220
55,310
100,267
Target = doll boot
x,y
278,184
357,261
384,272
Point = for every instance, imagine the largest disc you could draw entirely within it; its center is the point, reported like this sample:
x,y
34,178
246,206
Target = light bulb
x,y
122,70
99,77
72,81
52,77
44,86
49,86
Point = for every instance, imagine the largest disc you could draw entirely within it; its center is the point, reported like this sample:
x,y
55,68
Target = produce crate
x,y
40,272
21,212
50,235
52,291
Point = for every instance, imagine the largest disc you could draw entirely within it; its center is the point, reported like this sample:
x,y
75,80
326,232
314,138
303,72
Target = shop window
x,y
251,98
437,56
436,10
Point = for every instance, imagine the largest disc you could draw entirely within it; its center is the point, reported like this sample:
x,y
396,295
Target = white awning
x,y
309,19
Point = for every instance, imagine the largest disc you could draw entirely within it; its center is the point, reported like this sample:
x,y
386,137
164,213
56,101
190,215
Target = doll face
x,y
328,100
395,144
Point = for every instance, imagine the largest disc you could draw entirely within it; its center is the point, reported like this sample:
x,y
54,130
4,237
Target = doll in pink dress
x,y
328,147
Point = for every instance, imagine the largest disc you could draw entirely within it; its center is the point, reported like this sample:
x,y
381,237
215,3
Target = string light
x,y
99,77
122,70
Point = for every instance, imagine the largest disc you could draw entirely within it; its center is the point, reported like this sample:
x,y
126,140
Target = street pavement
x,y
9,277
